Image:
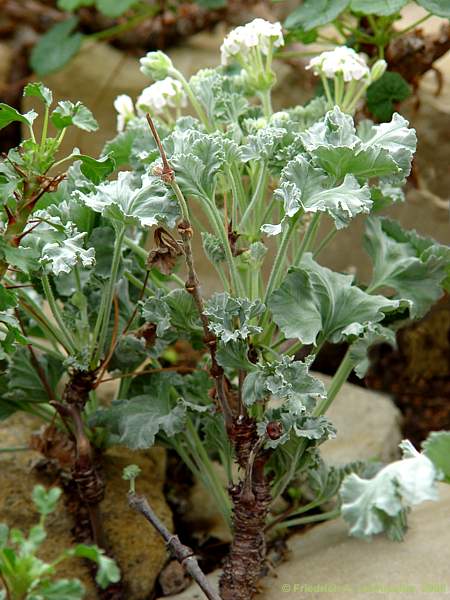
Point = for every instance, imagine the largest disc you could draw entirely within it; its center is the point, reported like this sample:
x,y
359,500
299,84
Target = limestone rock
x,y
367,423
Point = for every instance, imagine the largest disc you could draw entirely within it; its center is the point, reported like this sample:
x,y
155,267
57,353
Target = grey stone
x,y
367,423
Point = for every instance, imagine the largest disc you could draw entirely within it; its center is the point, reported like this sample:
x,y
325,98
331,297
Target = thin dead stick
x,y
184,555
192,283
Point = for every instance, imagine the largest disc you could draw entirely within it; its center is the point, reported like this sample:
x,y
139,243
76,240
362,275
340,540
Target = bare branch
x,y
184,555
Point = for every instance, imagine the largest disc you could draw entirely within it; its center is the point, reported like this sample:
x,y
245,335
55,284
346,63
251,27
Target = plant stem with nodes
x,y
182,553
192,284
251,496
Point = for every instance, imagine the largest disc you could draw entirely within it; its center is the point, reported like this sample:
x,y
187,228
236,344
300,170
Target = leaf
x,y
371,506
234,355
9,339
230,318
67,113
137,421
284,379
115,8
375,334
150,204
155,310
62,589
56,47
22,258
437,448
313,13
8,298
383,93
418,268
9,115
213,248
46,500
96,170
440,8
24,384
61,257
396,138
107,572
38,90
382,8
315,304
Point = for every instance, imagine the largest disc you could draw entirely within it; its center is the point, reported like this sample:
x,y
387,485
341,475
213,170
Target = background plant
x,y
235,174
26,577
370,27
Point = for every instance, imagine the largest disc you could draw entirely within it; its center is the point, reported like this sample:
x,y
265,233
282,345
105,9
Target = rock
x,y
326,555
346,567
367,423
138,549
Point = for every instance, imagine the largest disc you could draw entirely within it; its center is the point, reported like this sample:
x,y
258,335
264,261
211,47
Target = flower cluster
x,y
341,60
160,96
258,34
156,99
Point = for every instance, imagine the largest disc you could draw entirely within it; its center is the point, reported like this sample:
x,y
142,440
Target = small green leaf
x,y
437,448
313,13
8,298
380,8
234,355
67,113
114,8
44,500
375,334
56,47
131,472
96,170
62,256
440,8
39,90
384,93
107,572
9,115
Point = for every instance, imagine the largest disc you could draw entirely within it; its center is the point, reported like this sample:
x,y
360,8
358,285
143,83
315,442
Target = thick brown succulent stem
x,y
90,485
251,500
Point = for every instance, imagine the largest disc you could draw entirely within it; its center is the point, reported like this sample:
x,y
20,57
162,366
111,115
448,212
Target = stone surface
x,y
367,423
138,549
347,568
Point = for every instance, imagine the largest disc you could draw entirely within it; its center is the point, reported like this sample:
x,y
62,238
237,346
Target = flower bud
x,y
156,65
378,70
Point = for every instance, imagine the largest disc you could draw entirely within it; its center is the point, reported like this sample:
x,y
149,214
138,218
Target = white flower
x,y
340,60
256,34
167,93
125,110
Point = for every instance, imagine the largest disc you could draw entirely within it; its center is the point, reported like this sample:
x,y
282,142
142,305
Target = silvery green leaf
x,y
155,310
418,268
314,302
129,353
196,158
123,202
371,506
396,138
136,422
284,379
213,248
296,423
234,355
375,334
440,8
24,384
263,144
67,113
38,90
385,194
336,129
225,312
308,188
61,257
437,448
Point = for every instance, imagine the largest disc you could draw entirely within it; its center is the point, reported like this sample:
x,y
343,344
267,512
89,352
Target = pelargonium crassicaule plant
x,y
115,258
